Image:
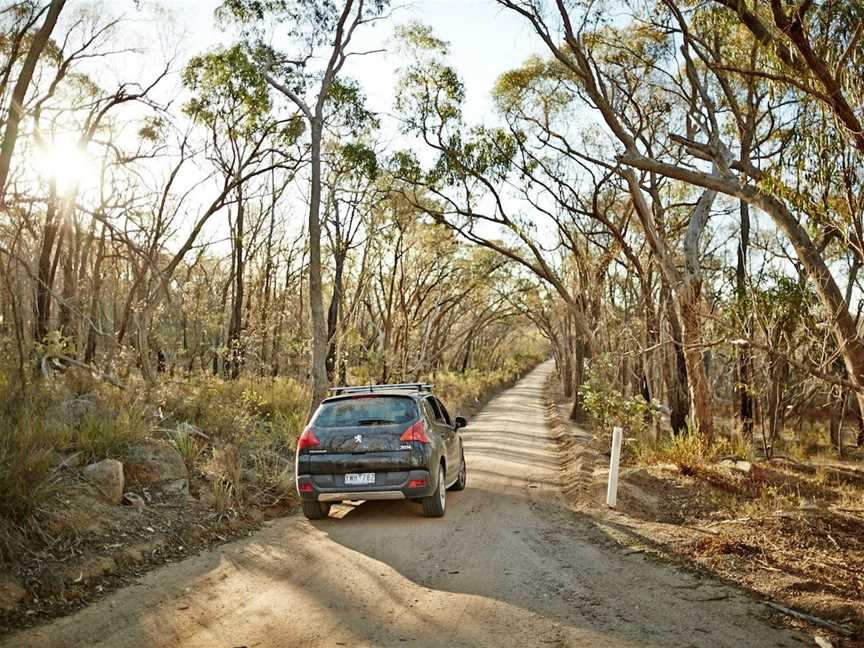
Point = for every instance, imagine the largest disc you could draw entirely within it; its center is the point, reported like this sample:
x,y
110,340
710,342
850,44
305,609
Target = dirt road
x,y
507,566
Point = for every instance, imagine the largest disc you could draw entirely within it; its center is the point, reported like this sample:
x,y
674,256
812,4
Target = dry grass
x,y
464,392
234,409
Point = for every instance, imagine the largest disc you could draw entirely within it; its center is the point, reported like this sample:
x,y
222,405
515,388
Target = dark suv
x,y
380,442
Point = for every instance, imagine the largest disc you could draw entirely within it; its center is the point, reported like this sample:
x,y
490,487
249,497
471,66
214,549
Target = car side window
x,y
431,411
436,412
444,412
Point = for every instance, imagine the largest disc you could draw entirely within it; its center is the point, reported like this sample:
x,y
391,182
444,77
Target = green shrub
x,y
102,434
26,450
187,445
26,458
234,409
608,407
689,452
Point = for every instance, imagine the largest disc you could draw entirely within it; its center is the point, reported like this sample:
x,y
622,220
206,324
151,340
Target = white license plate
x,y
359,478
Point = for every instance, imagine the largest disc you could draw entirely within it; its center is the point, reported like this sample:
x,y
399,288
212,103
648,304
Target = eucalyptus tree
x,y
696,134
309,31
232,100
352,195
61,184
485,182
465,187
29,48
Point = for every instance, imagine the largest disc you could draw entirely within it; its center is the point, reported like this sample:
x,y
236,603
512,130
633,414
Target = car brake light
x,y
307,439
304,486
416,432
417,483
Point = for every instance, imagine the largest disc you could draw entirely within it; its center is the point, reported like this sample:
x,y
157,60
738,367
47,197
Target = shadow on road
x,y
507,566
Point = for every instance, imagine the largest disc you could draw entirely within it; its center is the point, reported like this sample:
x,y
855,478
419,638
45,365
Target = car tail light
x,y
416,432
417,483
304,486
308,439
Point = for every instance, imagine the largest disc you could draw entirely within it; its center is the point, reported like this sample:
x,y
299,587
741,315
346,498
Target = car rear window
x,y
366,410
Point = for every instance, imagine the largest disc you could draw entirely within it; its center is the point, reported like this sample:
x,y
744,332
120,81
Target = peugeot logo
x,y
358,438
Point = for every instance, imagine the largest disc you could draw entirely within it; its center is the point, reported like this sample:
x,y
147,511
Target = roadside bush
x,y
187,445
26,458
607,407
462,391
689,452
234,409
105,434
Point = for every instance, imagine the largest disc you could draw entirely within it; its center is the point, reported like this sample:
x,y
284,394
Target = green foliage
x,y
360,159
152,129
223,495
55,345
105,434
689,452
236,409
188,446
429,93
229,89
607,406
347,106
463,391
26,459
69,414
539,85
418,39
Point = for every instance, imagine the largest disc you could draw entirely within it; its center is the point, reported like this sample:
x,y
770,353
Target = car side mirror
x,y
460,422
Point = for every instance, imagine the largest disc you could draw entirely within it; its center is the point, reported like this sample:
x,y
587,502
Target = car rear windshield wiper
x,y
375,422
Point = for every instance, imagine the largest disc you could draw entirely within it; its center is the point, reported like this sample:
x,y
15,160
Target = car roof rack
x,y
419,387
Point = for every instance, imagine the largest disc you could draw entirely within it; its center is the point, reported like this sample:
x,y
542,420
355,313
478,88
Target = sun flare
x,y
65,162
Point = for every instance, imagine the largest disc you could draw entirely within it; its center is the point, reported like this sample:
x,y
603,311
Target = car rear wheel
x,y
462,481
316,510
434,505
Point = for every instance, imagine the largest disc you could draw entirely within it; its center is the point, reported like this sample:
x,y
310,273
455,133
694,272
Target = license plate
x,y
360,478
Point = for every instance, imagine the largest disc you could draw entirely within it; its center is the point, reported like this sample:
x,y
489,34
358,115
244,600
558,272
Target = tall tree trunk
x,y
859,419
44,277
679,402
316,298
567,369
235,326
333,315
577,413
744,387
19,92
652,339
69,284
687,289
466,357
95,297
269,272
689,302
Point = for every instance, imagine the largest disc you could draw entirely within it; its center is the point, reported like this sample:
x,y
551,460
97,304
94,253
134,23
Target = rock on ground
x,y
107,476
157,464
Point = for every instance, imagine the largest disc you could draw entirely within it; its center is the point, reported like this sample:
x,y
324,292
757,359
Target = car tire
x,y
316,510
462,481
434,505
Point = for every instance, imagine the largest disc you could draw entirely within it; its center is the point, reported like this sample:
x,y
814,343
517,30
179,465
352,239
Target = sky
x,y
485,41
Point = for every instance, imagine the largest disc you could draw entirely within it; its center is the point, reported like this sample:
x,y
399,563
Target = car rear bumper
x,y
361,495
331,488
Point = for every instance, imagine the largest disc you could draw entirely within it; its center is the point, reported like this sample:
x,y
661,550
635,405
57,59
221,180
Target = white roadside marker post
x,y
614,460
